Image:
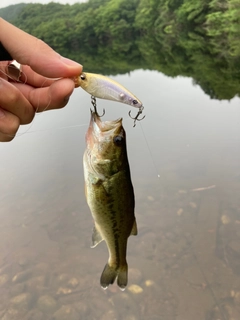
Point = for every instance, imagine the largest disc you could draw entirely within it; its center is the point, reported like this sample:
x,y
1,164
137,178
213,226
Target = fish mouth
x,y
99,126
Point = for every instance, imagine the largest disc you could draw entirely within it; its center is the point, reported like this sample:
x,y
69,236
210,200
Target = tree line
x,y
194,38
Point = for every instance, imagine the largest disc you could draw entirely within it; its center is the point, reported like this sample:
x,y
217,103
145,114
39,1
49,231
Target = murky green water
x,y
185,262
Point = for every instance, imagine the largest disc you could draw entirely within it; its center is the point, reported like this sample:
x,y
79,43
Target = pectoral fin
x,y
96,237
134,231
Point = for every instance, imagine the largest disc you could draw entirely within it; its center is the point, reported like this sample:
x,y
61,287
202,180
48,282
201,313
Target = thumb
x,y
29,50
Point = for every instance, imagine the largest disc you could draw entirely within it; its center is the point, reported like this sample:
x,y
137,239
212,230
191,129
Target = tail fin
x,y
109,275
122,277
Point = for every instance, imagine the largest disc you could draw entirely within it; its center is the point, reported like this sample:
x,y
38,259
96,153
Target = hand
x,y
38,90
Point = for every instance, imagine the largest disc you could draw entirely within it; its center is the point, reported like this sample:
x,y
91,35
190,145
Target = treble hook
x,y
94,103
136,118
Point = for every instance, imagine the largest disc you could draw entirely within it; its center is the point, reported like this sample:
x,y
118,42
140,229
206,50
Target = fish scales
x,y
110,194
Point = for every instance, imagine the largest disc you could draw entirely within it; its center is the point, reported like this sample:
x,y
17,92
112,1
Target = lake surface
x,y
185,262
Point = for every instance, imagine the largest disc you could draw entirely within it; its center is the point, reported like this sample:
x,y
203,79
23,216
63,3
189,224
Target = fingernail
x,y
70,62
2,113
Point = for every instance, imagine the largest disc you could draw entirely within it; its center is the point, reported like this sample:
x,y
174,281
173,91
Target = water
x,y
185,262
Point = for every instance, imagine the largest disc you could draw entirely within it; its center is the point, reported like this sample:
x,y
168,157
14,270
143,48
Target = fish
x,y
103,87
109,194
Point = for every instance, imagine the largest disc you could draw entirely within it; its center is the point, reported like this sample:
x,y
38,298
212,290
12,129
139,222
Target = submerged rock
x,y
22,301
135,289
11,314
63,291
73,283
180,212
23,262
66,313
21,276
17,289
36,283
109,315
131,317
82,308
4,279
35,315
125,301
193,205
47,304
63,278
149,283
225,219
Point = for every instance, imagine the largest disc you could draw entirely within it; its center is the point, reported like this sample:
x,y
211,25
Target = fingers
x,y
28,76
9,124
19,103
54,97
12,100
34,79
31,51
36,92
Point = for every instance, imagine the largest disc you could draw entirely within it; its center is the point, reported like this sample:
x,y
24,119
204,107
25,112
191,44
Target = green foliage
x,y
192,11
193,38
10,13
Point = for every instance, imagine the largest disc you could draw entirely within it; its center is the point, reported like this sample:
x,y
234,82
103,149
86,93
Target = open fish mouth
x,y
98,125
100,133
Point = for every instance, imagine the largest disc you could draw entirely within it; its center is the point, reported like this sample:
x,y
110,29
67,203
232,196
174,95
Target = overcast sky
x,y
6,3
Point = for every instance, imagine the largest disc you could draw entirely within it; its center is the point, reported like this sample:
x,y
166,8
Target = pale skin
x,y
38,90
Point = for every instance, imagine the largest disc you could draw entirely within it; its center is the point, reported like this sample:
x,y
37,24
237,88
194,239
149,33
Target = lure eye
x,y
83,76
118,140
135,102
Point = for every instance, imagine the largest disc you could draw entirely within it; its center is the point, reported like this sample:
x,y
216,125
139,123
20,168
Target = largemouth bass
x,y
103,87
110,196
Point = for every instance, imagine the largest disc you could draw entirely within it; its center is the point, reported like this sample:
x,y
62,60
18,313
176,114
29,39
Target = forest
x,y
194,38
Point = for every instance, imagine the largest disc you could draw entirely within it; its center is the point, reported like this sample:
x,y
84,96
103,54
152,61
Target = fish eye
x,y
83,76
135,102
118,140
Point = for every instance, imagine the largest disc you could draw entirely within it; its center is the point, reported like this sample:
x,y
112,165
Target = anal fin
x,y
134,231
96,237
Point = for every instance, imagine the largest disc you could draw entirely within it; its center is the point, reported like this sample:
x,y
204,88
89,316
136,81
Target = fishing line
x,y
17,135
36,113
60,128
150,152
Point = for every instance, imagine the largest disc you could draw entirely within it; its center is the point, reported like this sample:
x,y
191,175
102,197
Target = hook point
x,y
136,118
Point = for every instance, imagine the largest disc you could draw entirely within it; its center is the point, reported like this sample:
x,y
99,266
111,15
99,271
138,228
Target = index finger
x,y
27,49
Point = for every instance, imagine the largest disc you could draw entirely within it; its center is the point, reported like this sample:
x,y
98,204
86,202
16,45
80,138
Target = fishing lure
x,y
105,88
102,87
